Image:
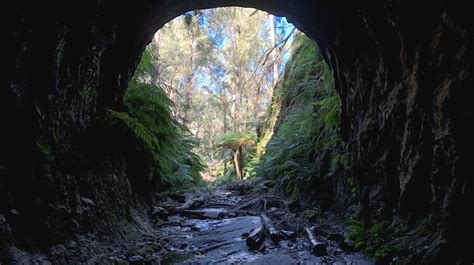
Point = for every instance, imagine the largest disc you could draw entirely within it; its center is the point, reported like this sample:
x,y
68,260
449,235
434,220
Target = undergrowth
x,y
383,241
304,146
166,144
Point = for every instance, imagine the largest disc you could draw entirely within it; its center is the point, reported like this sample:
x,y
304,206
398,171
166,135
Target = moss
x,y
382,240
311,213
302,127
44,148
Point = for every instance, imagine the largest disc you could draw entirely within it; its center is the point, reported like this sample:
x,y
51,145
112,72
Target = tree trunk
x,y
189,82
275,51
240,156
224,112
237,164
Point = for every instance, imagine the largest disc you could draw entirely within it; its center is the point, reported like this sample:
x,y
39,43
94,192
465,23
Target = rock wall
x,y
403,71
301,150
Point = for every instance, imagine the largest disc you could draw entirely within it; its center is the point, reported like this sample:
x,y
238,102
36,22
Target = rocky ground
x,y
203,228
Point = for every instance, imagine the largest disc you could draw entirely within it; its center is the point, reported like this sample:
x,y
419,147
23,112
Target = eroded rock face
x,y
403,70
403,74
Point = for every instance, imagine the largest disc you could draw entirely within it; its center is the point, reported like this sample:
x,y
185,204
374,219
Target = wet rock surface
x,y
213,233
221,238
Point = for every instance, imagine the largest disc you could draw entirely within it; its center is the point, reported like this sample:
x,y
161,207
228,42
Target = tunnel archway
x,y
403,81
299,13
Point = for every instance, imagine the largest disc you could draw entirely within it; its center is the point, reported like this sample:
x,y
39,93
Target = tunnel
x,y
403,70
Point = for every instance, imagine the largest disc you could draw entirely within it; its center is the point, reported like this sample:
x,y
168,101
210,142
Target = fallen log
x,y
317,248
255,238
241,186
190,203
275,235
245,205
208,213
291,235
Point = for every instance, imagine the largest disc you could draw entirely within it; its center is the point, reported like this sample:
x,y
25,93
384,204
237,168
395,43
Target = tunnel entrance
x,y
219,68
237,107
404,116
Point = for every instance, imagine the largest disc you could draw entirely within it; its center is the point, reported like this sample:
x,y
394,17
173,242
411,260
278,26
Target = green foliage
x,y
217,67
378,239
44,149
303,124
311,213
362,236
145,139
234,140
224,175
164,141
145,69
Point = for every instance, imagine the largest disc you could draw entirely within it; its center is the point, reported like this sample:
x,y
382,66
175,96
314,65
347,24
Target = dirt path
x,y
216,231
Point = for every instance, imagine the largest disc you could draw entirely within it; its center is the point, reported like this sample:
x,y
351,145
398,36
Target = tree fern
x,y
165,142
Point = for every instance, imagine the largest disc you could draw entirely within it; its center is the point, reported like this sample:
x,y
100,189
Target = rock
x,y
118,261
58,254
272,209
17,256
44,261
158,222
87,205
153,259
5,230
184,245
71,244
347,245
294,206
337,237
274,259
136,260
159,212
224,239
87,201
13,217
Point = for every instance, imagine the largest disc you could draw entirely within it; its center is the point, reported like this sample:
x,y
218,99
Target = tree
x,y
275,53
236,143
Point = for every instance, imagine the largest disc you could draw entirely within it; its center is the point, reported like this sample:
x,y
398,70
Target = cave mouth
x,y
224,74
405,112
219,67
